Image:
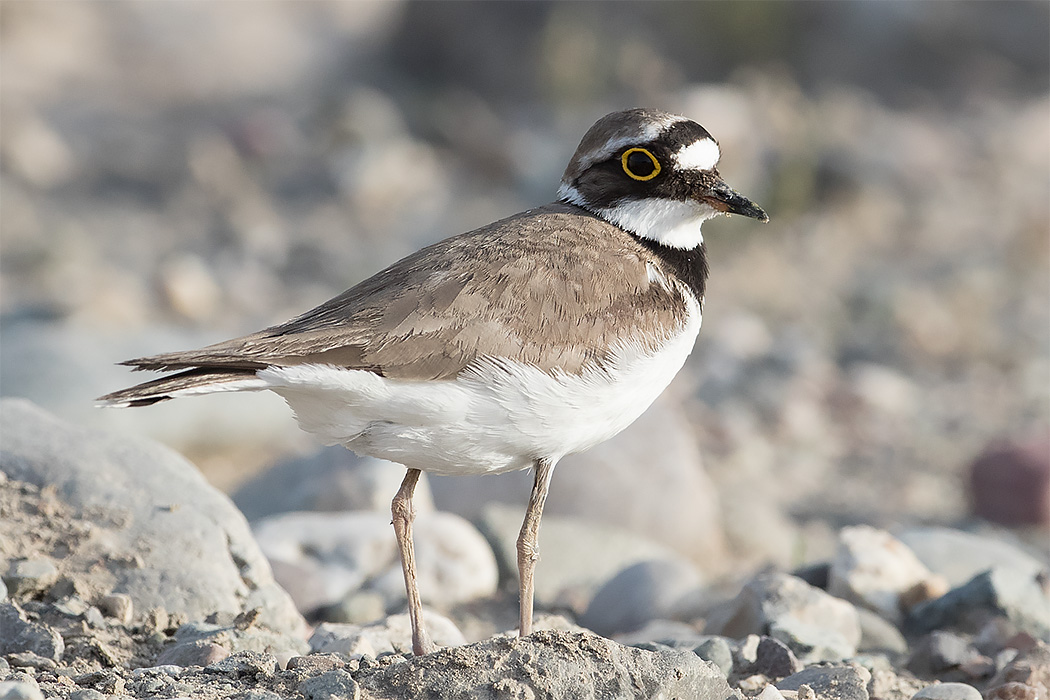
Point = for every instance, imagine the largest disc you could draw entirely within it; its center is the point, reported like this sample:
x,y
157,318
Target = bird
x,y
507,347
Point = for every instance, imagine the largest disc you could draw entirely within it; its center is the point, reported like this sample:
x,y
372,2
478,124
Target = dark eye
x,y
640,164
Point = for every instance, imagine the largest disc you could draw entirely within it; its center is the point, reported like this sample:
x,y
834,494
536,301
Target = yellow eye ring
x,y
633,175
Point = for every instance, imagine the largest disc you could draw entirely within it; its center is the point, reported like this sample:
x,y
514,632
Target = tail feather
x,y
199,380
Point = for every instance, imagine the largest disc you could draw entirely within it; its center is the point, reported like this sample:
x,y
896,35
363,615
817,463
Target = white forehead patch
x,y
699,155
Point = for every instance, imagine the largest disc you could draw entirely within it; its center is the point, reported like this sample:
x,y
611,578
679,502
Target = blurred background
x,y
178,173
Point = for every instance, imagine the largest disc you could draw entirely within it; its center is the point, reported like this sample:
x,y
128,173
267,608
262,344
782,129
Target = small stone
x,y
86,694
773,659
813,624
20,690
1010,483
939,652
28,659
872,568
331,685
315,663
108,682
93,617
246,663
846,682
117,606
770,692
716,650
948,691
194,653
1014,691
1028,670
27,577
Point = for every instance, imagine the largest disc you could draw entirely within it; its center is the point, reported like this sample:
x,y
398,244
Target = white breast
x,y
498,416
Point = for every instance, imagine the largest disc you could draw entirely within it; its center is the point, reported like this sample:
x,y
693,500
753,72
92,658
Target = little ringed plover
x,y
507,347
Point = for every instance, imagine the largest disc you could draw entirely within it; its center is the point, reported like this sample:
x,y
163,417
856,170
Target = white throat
x,y
670,222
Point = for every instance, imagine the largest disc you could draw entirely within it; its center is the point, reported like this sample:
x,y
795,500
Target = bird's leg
x,y
528,552
403,514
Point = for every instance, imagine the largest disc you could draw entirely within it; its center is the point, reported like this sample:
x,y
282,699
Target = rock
x,y
1026,676
27,577
576,556
846,682
201,636
118,606
644,591
879,635
347,552
602,485
331,685
315,663
22,635
392,634
548,665
716,651
20,690
939,652
1022,599
671,633
959,556
873,569
332,479
948,691
192,653
166,538
1010,483
773,659
246,663
27,659
813,624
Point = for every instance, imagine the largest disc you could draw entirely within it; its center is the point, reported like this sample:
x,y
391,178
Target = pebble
x,y
717,651
773,659
86,694
872,568
315,663
193,653
847,682
813,624
1010,483
246,663
336,684
939,652
948,691
20,690
642,592
28,659
27,577
1023,599
119,606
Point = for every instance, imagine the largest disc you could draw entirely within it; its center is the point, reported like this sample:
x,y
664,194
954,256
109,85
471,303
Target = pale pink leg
x,y
404,513
528,552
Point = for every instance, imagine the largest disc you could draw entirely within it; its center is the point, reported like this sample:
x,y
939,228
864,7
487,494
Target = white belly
x,y
498,416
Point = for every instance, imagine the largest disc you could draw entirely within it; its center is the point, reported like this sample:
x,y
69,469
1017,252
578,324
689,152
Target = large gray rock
x,y
549,665
340,553
846,682
649,479
162,534
813,624
331,479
